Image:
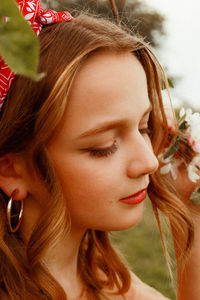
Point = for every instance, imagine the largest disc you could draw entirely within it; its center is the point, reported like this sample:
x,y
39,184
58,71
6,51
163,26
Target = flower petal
x,y
165,169
182,112
193,176
174,173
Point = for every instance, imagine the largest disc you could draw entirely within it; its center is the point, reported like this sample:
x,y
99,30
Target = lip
x,y
135,198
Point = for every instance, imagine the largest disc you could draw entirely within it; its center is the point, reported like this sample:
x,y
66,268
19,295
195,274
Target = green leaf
x,y
170,82
19,46
172,150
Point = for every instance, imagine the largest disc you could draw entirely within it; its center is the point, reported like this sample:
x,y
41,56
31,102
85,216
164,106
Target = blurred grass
x,y
142,248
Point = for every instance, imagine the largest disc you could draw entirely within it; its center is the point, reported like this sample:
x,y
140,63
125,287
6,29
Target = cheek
x,y
92,189
88,185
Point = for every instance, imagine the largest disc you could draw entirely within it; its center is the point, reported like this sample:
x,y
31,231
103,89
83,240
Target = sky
x,y
180,50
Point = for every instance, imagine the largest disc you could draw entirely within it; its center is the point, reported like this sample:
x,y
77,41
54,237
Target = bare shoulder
x,y
141,291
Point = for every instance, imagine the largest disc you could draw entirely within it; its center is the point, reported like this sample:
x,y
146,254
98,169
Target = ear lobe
x,y
11,178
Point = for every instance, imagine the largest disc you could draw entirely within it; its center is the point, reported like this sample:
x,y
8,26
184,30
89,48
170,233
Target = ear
x,y
12,176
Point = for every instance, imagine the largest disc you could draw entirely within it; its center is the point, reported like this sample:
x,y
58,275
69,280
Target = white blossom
x,y
192,138
188,114
182,112
193,176
192,169
165,169
174,172
171,167
193,120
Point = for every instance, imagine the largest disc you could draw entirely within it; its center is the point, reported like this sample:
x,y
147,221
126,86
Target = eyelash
x,y
114,147
104,152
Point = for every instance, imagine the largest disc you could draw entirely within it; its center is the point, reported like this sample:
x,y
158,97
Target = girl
x,y
73,148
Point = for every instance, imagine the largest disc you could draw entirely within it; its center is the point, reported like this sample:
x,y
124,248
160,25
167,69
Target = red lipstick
x,y
135,198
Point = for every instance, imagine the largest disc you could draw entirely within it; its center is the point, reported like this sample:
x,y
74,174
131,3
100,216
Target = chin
x,y
131,217
126,225
126,220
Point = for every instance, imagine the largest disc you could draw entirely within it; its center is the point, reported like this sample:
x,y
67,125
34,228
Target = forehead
x,y
108,85
106,69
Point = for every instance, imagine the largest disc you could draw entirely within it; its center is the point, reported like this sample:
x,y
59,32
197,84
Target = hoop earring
x,y
10,216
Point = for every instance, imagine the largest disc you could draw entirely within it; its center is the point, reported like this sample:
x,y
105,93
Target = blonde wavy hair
x,y
30,116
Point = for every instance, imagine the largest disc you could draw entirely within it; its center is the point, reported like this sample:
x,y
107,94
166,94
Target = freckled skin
x,y
108,86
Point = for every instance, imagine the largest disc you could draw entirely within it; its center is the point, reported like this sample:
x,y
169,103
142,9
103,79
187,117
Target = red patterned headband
x,y
36,16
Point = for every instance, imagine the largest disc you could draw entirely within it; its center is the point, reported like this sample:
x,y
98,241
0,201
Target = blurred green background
x,y
142,248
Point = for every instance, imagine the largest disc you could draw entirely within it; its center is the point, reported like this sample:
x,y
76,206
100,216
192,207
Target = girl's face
x,y
102,151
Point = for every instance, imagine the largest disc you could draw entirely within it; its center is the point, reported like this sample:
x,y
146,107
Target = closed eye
x,y
104,152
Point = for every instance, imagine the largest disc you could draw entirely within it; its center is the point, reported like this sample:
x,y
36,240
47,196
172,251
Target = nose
x,y
141,160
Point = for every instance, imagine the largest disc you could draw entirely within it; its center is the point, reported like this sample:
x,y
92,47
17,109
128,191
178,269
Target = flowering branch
x,y
185,146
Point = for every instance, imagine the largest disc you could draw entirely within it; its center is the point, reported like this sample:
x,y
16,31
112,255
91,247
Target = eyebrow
x,y
102,127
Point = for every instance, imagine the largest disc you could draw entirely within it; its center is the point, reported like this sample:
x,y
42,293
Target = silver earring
x,y
18,215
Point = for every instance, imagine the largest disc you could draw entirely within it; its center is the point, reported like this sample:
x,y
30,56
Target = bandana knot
x,y
37,17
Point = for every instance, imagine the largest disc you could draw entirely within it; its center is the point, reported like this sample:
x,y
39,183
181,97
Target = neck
x,y
61,262
61,259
